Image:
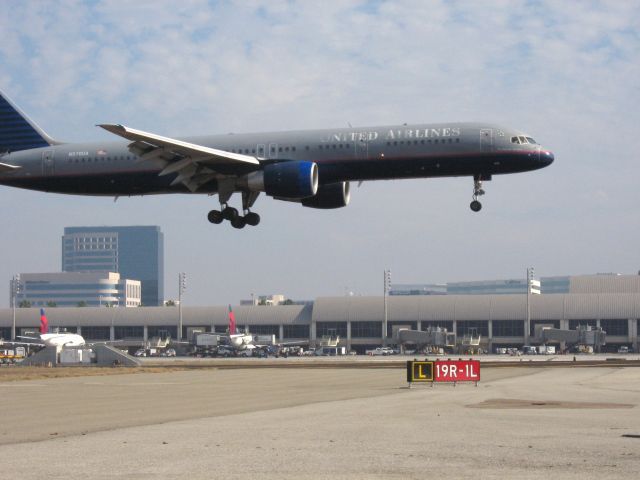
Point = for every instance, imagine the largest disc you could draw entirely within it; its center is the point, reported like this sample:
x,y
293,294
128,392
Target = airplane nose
x,y
546,158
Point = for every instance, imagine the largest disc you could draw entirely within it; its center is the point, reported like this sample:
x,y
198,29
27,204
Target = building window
x,y
507,328
162,331
295,331
264,330
96,333
324,329
472,327
366,329
128,332
615,327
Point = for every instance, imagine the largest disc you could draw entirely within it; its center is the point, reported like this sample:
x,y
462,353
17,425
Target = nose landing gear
x,y
475,205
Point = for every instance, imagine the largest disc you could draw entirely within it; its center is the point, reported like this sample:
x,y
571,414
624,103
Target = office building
x,y
135,252
77,289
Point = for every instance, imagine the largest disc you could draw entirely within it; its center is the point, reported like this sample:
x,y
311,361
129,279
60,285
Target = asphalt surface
x,y
324,423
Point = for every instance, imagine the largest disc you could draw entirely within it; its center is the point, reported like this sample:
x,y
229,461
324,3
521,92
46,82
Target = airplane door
x,y
273,150
486,139
261,154
47,162
362,147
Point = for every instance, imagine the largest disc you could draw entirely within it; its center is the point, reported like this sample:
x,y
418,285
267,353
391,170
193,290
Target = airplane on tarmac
x,y
46,339
241,342
313,168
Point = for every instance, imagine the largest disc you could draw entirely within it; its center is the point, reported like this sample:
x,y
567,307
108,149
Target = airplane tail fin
x,y
17,131
44,323
232,321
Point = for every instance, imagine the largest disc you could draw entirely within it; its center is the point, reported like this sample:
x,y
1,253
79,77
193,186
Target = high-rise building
x,y
135,252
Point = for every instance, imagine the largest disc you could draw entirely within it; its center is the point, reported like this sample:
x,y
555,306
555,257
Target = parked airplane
x,y
243,342
313,168
47,339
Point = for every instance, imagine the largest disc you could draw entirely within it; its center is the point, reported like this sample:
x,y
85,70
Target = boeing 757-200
x,y
312,167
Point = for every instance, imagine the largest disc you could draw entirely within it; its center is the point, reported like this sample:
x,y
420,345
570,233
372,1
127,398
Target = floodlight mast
x,y
387,287
182,286
527,333
15,290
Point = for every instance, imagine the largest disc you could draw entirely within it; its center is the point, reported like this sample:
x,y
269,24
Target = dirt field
x,y
322,423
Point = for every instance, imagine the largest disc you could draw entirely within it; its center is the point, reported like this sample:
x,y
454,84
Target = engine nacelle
x,y
293,180
332,195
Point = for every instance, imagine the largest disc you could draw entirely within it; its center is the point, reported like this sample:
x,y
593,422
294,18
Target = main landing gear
x,y
475,205
233,216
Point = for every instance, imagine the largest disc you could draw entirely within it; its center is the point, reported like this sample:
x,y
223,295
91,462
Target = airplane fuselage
x,y
342,155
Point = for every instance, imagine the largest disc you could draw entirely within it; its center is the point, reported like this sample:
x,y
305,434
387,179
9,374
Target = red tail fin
x,y
44,323
232,322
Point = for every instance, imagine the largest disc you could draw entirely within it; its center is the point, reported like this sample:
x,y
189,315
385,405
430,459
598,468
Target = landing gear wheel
x,y
252,219
215,216
476,206
230,213
238,222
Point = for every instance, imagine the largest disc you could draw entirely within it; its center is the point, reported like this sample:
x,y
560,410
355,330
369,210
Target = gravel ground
x,y
323,423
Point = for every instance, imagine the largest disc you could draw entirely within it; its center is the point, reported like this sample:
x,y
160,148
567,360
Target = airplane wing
x,y
5,167
195,164
36,343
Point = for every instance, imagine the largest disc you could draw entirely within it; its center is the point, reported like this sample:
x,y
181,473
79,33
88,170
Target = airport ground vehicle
x,y
14,355
330,351
381,351
529,350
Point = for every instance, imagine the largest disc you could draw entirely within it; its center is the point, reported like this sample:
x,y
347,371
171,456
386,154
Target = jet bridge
x,y
584,335
436,337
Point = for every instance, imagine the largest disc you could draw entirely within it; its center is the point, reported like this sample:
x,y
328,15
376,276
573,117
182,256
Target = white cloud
x,y
565,72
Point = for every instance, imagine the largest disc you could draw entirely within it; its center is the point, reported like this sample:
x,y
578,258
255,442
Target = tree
x,y
288,301
82,303
51,304
170,303
24,304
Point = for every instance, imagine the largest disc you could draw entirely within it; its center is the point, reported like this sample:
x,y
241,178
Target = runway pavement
x,y
324,423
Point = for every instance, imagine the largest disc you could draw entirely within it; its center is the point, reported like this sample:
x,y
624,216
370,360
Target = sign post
x,y
443,371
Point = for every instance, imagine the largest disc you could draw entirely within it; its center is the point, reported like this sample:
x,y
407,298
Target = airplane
x,y
46,339
313,168
241,342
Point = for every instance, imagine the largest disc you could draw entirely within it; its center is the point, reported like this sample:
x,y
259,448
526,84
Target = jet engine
x,y
293,180
332,195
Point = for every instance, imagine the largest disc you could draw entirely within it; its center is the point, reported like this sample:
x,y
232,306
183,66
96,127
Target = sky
x,y
567,73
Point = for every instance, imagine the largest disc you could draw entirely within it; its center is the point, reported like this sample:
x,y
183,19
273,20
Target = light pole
x,y
15,290
527,333
182,286
387,287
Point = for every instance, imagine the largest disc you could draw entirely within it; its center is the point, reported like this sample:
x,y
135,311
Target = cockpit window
x,y
522,140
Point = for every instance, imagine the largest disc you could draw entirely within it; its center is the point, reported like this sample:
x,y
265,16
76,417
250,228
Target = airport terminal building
x,y
358,321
